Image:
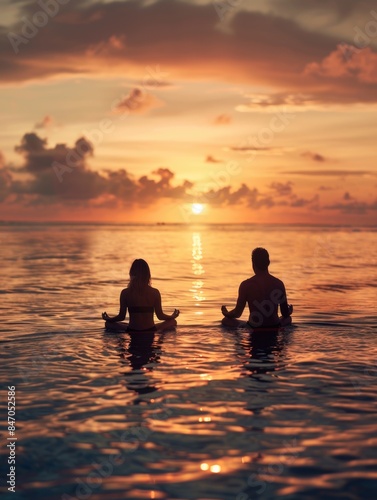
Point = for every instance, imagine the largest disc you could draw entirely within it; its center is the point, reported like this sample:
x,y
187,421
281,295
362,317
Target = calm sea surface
x,y
200,412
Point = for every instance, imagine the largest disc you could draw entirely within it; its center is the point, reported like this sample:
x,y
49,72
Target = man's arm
x,y
285,308
122,310
240,306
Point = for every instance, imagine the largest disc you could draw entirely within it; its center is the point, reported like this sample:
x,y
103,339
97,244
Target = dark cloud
x,y
5,183
255,199
244,195
353,207
38,157
62,174
314,156
281,188
330,173
336,10
298,202
117,38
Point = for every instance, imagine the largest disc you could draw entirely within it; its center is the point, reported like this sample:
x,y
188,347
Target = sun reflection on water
x,y
198,270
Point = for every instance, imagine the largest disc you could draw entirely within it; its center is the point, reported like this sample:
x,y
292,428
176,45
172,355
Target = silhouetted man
x,y
263,293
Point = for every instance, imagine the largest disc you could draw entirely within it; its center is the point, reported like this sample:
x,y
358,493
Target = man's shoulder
x,y
247,282
277,281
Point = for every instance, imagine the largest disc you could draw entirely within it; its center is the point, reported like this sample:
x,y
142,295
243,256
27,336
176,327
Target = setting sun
x,y
197,208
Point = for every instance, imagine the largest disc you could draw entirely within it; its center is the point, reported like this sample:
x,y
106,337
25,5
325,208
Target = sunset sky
x,y
258,110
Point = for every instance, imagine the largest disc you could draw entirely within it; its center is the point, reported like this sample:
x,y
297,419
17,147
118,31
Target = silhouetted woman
x,y
142,301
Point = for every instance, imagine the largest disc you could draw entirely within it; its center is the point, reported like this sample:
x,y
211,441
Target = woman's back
x,y
141,306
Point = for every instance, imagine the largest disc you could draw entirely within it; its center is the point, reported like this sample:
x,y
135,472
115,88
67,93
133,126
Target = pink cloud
x,y
357,64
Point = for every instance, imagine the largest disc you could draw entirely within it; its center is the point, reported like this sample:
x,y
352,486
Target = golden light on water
x,y
213,468
197,269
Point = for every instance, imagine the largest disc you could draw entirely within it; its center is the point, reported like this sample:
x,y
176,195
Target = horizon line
x,y
106,223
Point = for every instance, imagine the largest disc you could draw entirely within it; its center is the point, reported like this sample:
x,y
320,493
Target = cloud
x,y
113,37
244,195
5,179
273,102
62,174
314,156
336,10
138,102
5,183
329,12
38,157
299,202
117,38
353,207
354,64
223,119
246,149
45,123
330,173
211,159
255,199
281,188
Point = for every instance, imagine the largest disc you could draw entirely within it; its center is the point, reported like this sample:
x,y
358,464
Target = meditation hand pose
x,y
142,301
263,293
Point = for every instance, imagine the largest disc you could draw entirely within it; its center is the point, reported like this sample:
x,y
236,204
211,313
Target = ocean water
x,y
201,412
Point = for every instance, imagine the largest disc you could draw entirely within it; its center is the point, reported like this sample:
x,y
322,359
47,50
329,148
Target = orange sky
x,y
262,111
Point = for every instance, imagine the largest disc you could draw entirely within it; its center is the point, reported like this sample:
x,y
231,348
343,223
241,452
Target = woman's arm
x,y
122,310
158,309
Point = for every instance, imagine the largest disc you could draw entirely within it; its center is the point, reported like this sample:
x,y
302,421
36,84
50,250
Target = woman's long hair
x,y
140,276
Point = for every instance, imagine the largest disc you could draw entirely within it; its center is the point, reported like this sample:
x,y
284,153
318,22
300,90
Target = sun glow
x,y
197,208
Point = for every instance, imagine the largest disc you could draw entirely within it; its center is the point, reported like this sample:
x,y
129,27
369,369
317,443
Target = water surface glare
x,y
201,412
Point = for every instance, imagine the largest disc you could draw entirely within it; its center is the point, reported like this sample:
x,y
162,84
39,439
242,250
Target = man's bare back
x,y
263,293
